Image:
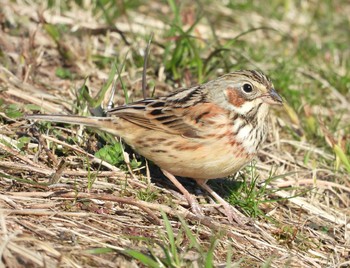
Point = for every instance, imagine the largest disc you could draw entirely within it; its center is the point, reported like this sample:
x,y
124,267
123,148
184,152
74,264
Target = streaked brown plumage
x,y
204,132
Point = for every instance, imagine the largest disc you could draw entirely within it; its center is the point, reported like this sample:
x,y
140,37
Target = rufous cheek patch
x,y
234,97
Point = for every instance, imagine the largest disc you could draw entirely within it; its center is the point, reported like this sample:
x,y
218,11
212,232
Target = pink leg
x,y
196,209
231,212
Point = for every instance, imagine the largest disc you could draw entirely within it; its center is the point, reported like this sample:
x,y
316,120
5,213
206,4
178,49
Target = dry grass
x,y
60,206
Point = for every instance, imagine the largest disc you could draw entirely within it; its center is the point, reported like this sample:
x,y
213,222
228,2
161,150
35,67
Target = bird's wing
x,y
181,113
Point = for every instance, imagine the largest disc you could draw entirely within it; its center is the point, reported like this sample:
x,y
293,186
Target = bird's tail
x,y
105,123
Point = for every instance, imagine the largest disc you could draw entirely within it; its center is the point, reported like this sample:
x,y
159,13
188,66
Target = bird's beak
x,y
272,97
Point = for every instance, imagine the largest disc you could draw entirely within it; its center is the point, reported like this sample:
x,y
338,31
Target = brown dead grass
x,y
50,225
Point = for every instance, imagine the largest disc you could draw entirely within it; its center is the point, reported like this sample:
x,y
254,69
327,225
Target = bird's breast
x,y
214,156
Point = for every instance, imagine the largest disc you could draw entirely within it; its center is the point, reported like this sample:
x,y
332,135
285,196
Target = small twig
x,y
6,238
127,162
49,171
94,158
318,183
327,84
144,71
10,202
150,207
307,206
18,166
110,104
148,173
30,228
42,212
102,31
124,200
40,138
18,155
57,175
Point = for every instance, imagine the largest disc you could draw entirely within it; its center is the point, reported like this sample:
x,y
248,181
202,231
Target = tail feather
x,y
105,123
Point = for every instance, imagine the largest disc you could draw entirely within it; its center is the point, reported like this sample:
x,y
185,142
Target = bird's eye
x,y
247,88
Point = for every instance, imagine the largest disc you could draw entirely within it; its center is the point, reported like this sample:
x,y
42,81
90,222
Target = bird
x,y
202,132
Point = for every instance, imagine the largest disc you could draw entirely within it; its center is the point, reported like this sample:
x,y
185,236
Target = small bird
x,y
203,132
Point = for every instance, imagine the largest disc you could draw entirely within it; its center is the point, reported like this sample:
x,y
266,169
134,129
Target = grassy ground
x,y
62,206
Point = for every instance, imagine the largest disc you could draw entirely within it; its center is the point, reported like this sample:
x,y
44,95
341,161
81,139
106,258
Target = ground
x,y
61,205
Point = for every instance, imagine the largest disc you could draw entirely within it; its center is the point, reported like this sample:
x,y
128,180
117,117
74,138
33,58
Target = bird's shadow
x,y
223,186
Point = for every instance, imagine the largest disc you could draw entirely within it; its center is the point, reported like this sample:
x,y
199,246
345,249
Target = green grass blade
x,y
209,260
171,237
144,259
341,155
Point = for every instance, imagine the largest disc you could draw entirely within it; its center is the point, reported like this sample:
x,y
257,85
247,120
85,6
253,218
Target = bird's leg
x,y
231,212
196,209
